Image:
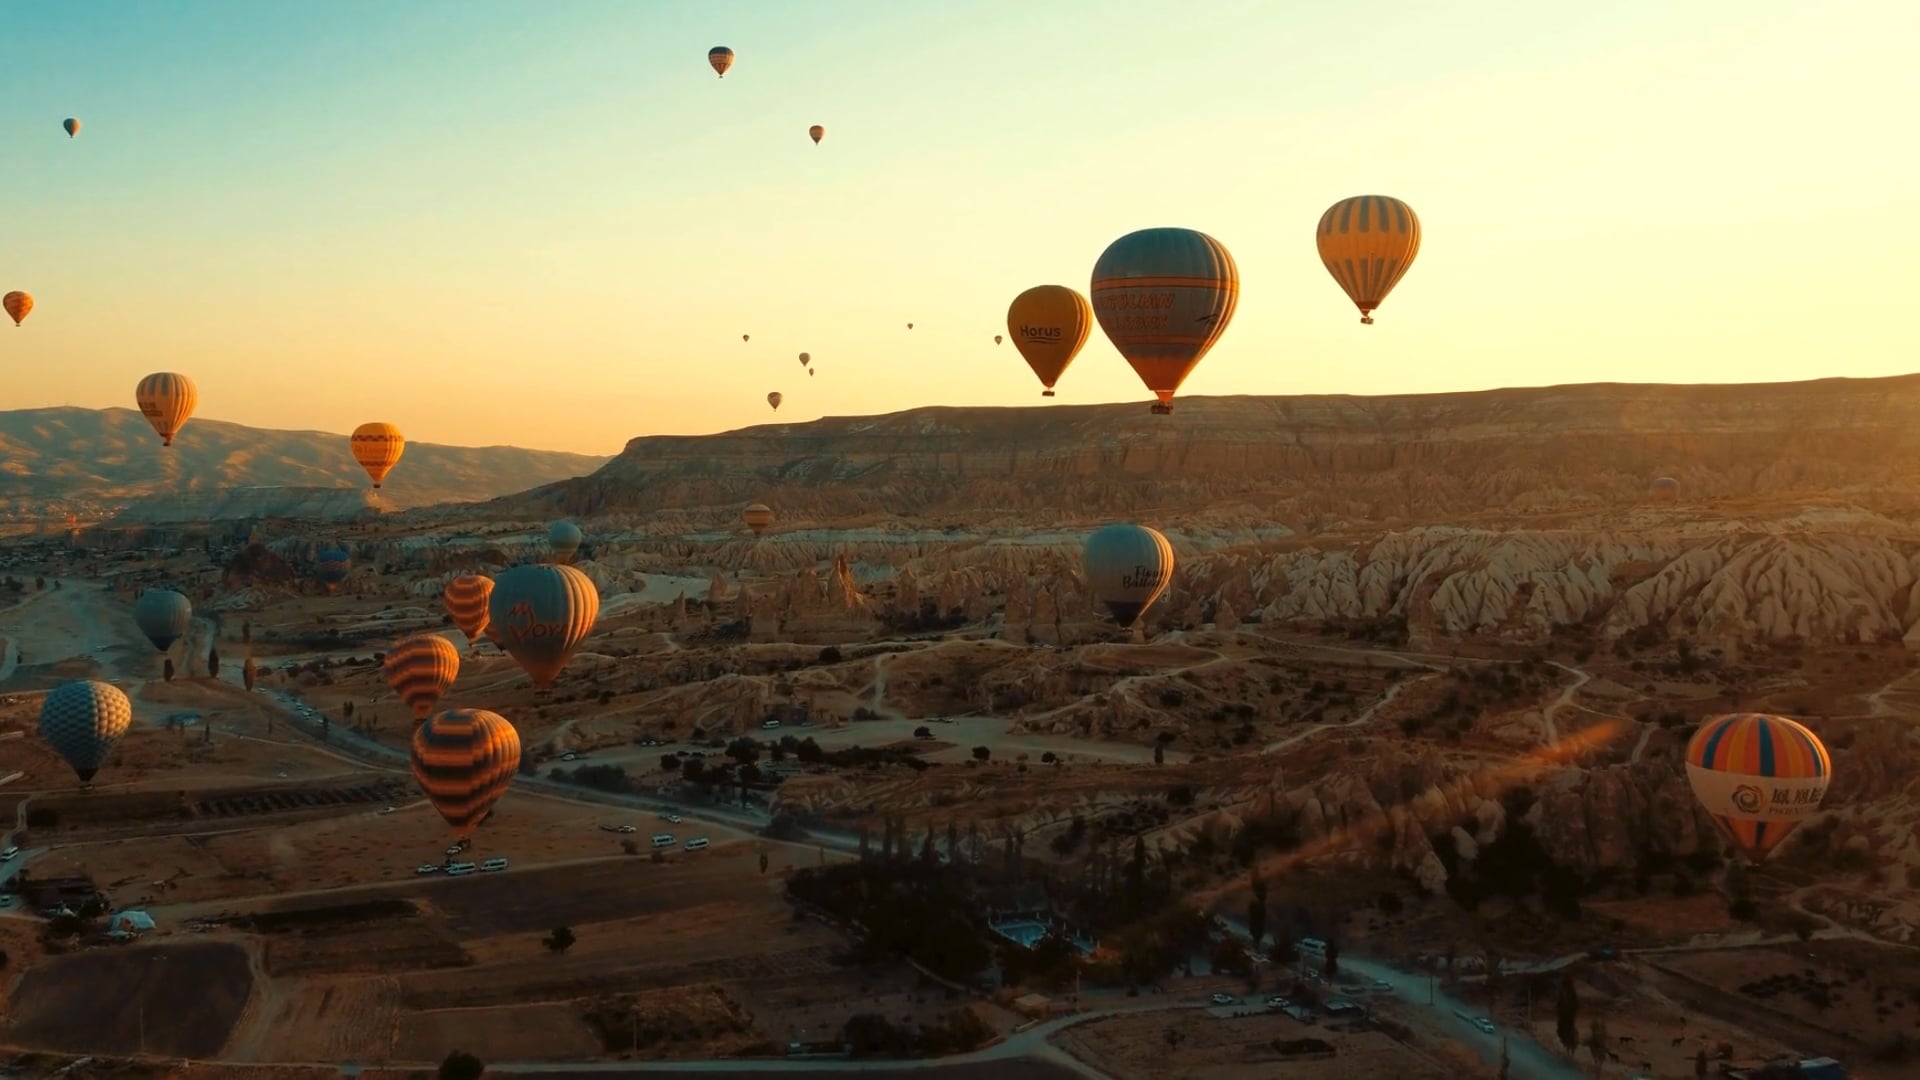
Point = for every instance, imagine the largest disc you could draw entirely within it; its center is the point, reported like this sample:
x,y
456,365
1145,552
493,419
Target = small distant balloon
x,y
996,339
335,562
73,127
18,304
758,517
1665,489
774,399
909,326
805,359
164,616
818,133
563,539
746,337
1367,243
1128,567
721,58
166,399
377,447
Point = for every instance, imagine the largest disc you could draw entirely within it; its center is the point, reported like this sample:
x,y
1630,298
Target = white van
x,y
459,868
664,839
494,864
769,725
12,850
697,843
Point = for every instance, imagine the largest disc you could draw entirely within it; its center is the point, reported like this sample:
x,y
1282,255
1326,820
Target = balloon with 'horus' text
x,y
463,760
758,517
377,447
164,616
1368,243
466,598
166,399
1164,296
542,614
1665,489
334,562
563,539
1758,777
82,720
774,399
420,669
1049,324
1128,567
18,305
721,58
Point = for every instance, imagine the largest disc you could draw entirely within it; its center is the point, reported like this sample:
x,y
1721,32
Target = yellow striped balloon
x,y
166,399
1163,297
421,669
466,598
18,305
542,614
1367,243
720,58
463,760
377,447
758,517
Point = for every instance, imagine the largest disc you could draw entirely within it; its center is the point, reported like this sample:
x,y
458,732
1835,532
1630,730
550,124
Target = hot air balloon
x,y
164,616
335,563
1049,324
721,58
167,400
1164,296
18,305
746,337
542,613
420,669
1367,243
1758,777
774,399
82,720
818,133
466,598
72,126
1665,489
1128,567
757,517
805,359
563,539
909,326
996,339
463,759
377,447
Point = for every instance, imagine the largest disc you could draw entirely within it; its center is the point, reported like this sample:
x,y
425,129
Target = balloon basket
x,y
1161,408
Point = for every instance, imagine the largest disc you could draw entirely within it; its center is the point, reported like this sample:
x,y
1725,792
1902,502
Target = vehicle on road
x,y
427,868
387,810
492,865
1224,999
1277,1002
670,818
664,839
628,829
1485,1025
459,868
697,843
12,850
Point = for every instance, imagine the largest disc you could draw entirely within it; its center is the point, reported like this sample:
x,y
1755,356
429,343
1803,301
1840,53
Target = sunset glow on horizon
x,y
549,227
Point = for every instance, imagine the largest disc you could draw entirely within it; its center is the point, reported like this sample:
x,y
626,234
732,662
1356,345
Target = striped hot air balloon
x,y
1164,296
335,563
377,447
542,614
420,669
1367,243
82,720
466,598
463,760
1128,567
758,517
1664,489
563,539
167,399
1758,776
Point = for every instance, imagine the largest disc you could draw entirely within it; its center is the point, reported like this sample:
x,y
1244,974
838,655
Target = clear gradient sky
x,y
549,224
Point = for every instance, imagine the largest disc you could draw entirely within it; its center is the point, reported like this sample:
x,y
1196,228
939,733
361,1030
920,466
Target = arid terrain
x,y
1420,688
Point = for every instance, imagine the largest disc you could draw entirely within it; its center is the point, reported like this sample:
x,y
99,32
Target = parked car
x,y
494,864
1277,1002
1225,999
1485,1025
427,868
697,843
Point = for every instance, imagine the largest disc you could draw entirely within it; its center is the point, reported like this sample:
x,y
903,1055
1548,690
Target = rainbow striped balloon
x,y
1758,776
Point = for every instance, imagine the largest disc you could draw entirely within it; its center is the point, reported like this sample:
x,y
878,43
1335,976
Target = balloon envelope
x,y
1367,243
164,616
818,133
72,126
563,539
1758,776
466,598
463,760
335,562
18,305
721,58
774,399
166,399
1164,296
420,669
805,359
758,517
82,720
1128,567
542,614
377,447
1665,489
1049,324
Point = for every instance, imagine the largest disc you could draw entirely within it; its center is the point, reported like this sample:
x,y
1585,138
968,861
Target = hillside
x,y
1314,461
93,463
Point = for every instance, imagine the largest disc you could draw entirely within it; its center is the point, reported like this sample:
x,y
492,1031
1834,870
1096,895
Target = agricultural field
x,y
129,999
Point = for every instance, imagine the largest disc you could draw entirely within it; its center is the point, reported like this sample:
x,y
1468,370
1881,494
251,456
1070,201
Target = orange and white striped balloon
x,y
167,400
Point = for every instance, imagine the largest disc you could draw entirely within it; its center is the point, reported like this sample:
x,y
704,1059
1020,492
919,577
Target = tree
x,y
1700,1063
763,862
461,1065
1597,1041
1159,754
249,673
213,661
670,762
981,753
1331,969
1566,1014
1506,1061
560,940
346,710
166,670
246,633
1256,920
